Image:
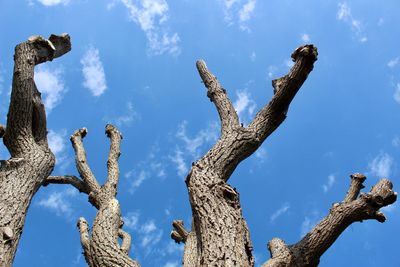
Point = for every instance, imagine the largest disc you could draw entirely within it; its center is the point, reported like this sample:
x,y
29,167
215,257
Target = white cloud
x,y
179,162
93,72
171,264
51,85
381,165
309,222
282,210
53,2
344,14
131,220
151,16
244,105
396,141
261,154
305,38
239,10
151,235
204,136
393,62
271,71
138,179
253,56
59,202
126,119
329,183
288,63
56,141
396,95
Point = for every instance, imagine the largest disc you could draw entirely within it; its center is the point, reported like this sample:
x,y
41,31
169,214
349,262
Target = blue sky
x,y
133,64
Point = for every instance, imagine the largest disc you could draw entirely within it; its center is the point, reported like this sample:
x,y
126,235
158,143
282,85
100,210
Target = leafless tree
x,y
219,235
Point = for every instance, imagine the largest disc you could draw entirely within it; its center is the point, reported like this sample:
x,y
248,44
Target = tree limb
x,y
81,160
67,179
126,241
228,116
308,251
112,162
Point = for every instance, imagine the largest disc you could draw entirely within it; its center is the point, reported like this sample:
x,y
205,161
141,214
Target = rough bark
x,y
220,231
101,248
355,207
25,137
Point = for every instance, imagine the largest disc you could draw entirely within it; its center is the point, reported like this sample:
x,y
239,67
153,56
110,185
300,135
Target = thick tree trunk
x,y
25,138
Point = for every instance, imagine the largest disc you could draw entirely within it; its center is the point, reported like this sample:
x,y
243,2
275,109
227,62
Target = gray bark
x,y
100,247
26,139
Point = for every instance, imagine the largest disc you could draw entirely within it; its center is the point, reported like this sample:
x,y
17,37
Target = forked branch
x,y
355,207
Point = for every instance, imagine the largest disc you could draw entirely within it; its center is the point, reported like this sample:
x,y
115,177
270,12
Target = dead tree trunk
x,y
26,140
219,234
101,248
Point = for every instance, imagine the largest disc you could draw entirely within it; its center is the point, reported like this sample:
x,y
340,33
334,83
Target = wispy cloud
x,y
305,38
253,56
279,212
131,220
50,83
53,2
179,162
396,141
151,16
393,62
396,95
93,72
57,144
381,165
344,14
126,119
239,10
59,203
151,167
244,105
309,222
329,183
171,264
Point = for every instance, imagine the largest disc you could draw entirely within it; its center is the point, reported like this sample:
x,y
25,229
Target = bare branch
x,y
112,162
85,241
126,241
81,161
67,179
285,89
226,111
179,234
308,251
357,180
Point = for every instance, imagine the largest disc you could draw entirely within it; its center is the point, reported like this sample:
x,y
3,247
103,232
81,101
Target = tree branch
x,y
26,121
126,241
81,161
112,162
228,116
67,179
179,234
85,241
285,89
308,251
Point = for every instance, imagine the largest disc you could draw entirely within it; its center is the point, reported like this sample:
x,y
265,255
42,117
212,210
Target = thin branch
x,y
67,179
112,162
126,241
285,89
179,234
228,116
81,161
357,180
308,251
85,241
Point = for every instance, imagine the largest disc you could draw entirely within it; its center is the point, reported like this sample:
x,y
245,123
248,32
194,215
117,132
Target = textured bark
x,y
354,208
26,139
220,236
101,248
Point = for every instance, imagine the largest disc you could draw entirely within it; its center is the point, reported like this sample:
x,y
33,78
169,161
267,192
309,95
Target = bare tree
x,y
26,140
219,235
